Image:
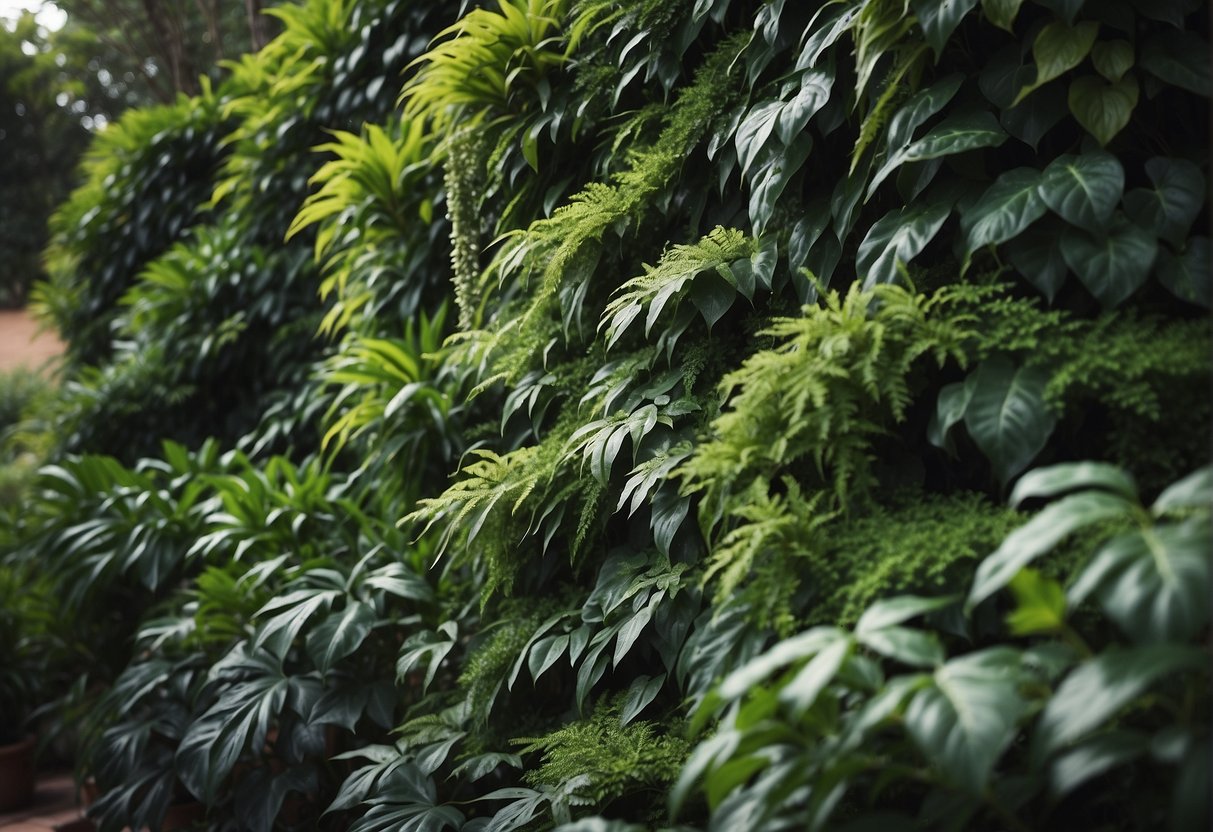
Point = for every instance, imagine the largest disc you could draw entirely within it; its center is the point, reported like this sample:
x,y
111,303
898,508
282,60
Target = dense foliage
x,y
742,415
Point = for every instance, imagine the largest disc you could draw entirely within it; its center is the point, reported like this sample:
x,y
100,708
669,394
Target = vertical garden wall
x,y
607,416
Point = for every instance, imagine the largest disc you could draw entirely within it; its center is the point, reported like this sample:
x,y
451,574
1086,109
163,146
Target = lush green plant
x,y
744,319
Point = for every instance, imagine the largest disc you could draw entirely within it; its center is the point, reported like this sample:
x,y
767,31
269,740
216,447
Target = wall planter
x,y
17,774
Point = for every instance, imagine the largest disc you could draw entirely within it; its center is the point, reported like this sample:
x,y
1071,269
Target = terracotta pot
x,y
17,775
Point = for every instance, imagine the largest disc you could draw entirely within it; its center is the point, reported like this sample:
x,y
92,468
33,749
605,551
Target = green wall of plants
x,y
607,416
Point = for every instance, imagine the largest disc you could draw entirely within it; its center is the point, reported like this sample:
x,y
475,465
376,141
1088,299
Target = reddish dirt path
x,y
21,345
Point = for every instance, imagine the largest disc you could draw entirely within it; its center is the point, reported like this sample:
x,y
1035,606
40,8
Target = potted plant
x,y
21,680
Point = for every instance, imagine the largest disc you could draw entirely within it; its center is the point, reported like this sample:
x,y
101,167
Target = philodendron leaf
x,y
1172,205
955,134
1036,255
1092,758
1193,491
1187,275
1103,108
939,18
1083,189
1097,690
1071,476
897,238
1180,58
1007,207
1112,265
1001,13
965,719
949,410
1059,48
1006,415
1154,583
1040,534
1112,58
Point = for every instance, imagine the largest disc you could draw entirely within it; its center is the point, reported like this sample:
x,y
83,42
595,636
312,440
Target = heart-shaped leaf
x,y
897,238
1084,189
1007,207
1058,48
1172,205
1112,58
1036,255
1187,275
1006,415
1103,108
1114,265
939,18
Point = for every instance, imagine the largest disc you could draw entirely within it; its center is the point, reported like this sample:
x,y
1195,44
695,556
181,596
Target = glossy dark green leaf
x,y
1153,583
1112,58
1095,692
1187,275
1103,108
1180,58
1001,13
896,238
802,690
340,634
1193,491
1040,534
1005,210
641,693
939,18
949,411
1071,476
1092,758
1084,189
1006,415
968,716
1036,255
1172,205
1058,48
903,644
813,94
1113,265
955,134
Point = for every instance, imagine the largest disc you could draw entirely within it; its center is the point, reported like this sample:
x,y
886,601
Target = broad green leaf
x,y
545,653
756,671
1092,758
1180,58
1070,476
1172,205
1154,582
1098,689
1007,416
1113,265
964,720
905,645
920,107
801,692
1112,58
1103,108
1067,10
1039,535
939,18
1187,275
1084,190
949,411
340,634
897,238
1193,491
1001,13
1036,255
955,134
1007,207
894,611
641,692
713,296
1040,604
755,131
813,94
1031,120
775,169
1059,48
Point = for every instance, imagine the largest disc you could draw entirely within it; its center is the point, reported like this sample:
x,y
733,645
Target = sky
x,y
48,14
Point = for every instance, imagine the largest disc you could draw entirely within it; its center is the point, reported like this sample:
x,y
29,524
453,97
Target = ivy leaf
x,y
1083,190
1007,416
1114,265
1039,535
340,634
1172,205
1153,583
965,719
1007,207
897,238
939,18
1059,48
1001,13
1112,58
1180,58
1094,692
1102,108
1036,255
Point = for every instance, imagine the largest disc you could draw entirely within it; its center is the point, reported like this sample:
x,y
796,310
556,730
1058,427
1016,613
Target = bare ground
x,y
22,345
